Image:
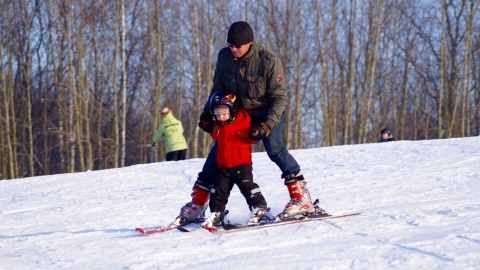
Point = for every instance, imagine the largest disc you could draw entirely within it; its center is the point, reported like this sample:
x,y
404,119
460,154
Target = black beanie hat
x,y
240,33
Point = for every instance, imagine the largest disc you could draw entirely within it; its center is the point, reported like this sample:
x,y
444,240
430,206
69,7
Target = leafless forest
x,y
82,82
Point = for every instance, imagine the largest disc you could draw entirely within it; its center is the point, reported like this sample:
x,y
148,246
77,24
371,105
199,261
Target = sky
x,y
420,202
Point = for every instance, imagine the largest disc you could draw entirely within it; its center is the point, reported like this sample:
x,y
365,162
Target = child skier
x,y
234,159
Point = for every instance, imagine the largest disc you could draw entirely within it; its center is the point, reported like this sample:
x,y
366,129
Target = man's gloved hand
x,y
206,122
266,128
153,144
259,132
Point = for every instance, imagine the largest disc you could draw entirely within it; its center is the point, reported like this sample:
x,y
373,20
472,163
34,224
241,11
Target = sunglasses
x,y
234,46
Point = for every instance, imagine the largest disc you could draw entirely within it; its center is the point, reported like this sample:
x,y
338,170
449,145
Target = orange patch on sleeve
x,y
279,78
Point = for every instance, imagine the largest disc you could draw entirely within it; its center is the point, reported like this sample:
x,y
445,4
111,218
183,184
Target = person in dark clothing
x,y
234,160
255,74
386,136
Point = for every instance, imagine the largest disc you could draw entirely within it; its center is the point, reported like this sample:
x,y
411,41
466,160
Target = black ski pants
x,y
242,176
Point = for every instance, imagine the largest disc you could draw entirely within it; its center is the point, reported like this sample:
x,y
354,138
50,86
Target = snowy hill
x,y
421,204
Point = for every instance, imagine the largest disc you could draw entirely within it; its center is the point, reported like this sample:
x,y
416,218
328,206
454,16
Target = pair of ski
x,y
230,228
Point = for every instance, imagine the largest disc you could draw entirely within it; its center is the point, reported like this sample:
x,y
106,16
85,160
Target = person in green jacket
x,y
171,130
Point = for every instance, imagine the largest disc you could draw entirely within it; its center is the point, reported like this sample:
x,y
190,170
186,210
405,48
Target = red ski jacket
x,y
233,143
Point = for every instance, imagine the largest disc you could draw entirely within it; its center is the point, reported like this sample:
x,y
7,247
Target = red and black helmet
x,y
224,98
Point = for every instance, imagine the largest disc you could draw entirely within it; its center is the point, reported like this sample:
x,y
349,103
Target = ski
x,y
231,228
156,230
189,227
195,227
172,226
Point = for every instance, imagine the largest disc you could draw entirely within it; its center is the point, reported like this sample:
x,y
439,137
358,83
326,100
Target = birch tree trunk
x,y
349,125
371,56
297,135
9,160
198,81
114,83
124,87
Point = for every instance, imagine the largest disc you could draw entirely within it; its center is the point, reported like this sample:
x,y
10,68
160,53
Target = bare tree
x,y
8,160
157,43
123,137
348,130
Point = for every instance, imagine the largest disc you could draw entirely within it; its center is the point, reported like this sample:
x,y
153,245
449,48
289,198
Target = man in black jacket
x,y
255,74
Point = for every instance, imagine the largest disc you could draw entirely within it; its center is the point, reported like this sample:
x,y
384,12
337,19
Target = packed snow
x,y
420,204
